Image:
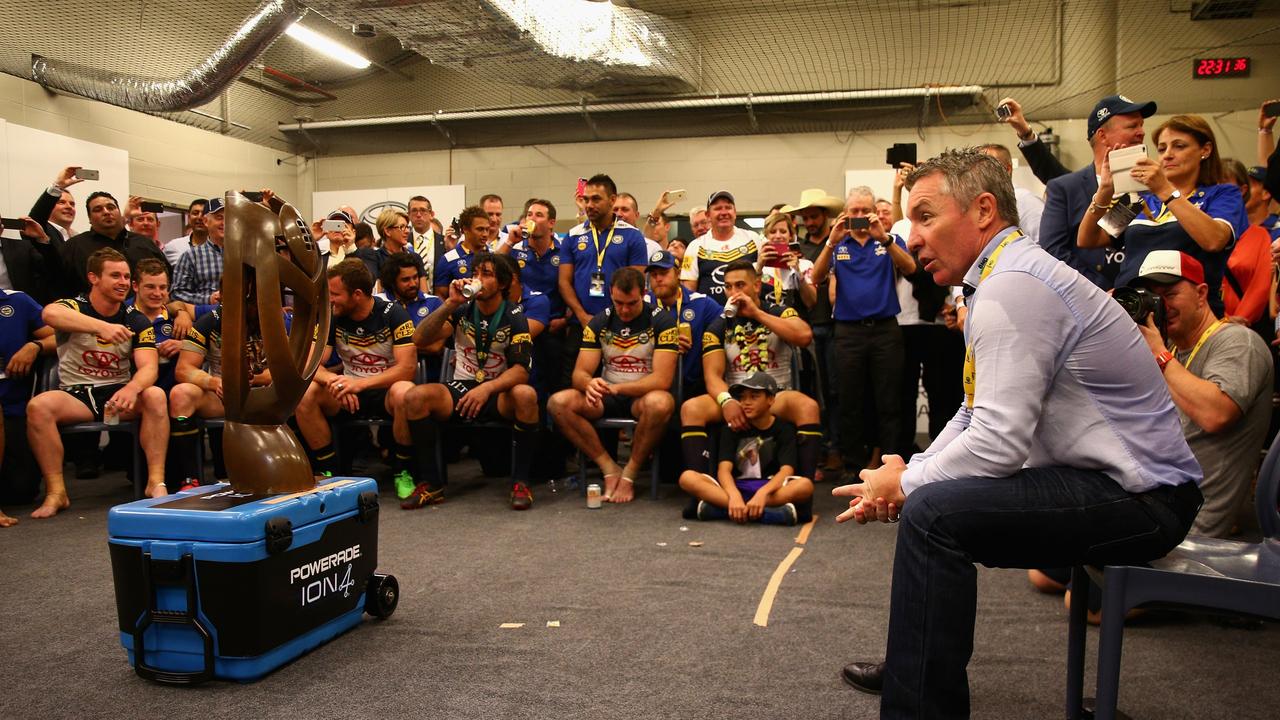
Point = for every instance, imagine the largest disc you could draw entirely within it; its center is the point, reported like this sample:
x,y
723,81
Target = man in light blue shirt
x,y
1067,449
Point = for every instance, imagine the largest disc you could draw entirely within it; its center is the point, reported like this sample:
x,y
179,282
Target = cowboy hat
x,y
815,197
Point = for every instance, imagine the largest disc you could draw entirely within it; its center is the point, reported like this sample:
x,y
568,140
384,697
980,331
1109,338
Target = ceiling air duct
x,y
578,45
202,84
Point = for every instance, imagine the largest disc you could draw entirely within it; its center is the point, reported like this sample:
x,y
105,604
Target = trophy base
x,y
265,459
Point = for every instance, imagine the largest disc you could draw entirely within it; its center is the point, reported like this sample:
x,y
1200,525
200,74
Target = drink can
x,y
730,309
526,229
593,496
109,414
470,288
686,330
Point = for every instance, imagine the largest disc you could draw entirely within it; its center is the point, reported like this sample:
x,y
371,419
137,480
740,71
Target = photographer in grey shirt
x,y
1220,375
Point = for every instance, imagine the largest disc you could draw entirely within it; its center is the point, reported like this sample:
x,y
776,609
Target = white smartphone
x,y
1122,161
334,226
85,174
675,197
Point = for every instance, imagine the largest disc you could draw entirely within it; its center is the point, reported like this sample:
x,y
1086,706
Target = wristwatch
x,y
1172,196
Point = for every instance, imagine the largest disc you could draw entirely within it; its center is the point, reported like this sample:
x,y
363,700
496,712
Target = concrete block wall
x,y
760,170
175,163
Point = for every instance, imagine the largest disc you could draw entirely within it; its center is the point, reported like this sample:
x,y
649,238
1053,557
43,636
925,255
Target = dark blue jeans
x,y
1040,517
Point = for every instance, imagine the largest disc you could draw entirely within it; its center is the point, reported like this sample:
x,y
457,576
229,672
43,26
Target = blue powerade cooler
x,y
213,583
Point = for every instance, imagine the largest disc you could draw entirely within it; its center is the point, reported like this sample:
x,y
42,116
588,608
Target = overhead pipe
x,y
202,84
747,101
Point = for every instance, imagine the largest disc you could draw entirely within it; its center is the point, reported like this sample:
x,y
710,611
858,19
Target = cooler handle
x,y
153,615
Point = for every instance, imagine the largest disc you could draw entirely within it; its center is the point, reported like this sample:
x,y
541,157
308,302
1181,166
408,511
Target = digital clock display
x,y
1220,67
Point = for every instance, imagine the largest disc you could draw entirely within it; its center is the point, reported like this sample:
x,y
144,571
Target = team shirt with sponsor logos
x,y
627,348
750,347
367,347
509,346
205,339
19,319
705,259
83,359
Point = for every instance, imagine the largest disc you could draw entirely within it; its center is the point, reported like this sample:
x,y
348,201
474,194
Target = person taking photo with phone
x,y
866,262
1187,205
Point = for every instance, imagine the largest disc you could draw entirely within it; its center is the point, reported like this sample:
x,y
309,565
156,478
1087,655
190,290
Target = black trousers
x,y
938,354
869,350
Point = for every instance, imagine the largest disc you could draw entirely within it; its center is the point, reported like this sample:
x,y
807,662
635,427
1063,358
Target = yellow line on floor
x,y
807,528
771,590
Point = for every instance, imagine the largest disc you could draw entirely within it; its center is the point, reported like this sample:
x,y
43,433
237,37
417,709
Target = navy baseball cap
x,y
214,205
758,380
662,259
1112,105
1259,173
341,215
720,195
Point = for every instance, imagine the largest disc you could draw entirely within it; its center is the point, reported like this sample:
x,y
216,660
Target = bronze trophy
x,y
266,250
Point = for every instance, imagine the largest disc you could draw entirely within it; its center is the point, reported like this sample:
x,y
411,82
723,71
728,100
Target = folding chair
x,y
446,372
48,380
630,424
1238,577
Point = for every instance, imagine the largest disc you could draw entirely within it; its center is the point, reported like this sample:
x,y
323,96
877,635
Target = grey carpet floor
x,y
649,626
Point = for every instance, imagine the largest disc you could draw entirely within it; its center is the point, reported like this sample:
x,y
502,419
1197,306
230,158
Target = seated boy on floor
x,y
756,480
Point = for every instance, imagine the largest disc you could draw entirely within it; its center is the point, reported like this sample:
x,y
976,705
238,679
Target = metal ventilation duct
x,y
202,84
579,45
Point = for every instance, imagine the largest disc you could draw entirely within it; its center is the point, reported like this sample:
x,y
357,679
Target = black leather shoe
x,y
865,676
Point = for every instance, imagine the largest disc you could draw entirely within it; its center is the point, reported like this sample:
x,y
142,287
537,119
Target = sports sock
x,y
696,448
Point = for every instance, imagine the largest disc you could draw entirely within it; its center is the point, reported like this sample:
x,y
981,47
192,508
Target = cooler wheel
x,y
382,596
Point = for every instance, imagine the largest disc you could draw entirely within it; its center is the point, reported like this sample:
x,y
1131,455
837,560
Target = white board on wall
x,y
33,158
446,200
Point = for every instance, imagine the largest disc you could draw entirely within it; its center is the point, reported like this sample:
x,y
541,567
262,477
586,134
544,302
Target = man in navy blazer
x,y
1116,121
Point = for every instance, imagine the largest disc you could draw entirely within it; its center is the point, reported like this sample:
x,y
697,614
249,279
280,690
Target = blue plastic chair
x,y
1237,577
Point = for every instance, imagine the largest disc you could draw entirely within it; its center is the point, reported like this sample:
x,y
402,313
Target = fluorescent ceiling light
x,y
584,30
324,45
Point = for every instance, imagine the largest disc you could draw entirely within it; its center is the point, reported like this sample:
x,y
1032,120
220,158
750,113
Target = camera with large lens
x,y
1140,302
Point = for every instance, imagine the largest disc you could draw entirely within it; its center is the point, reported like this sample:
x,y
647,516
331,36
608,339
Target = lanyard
x,y
970,361
1203,337
485,333
595,239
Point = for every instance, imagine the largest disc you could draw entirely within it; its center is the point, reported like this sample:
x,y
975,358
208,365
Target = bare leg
x,y
154,437
399,419
5,520
315,405
44,413
573,415
652,413
703,487
795,491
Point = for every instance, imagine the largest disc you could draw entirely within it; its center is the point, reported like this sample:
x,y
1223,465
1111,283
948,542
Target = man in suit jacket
x,y
55,209
1115,121
28,263
423,238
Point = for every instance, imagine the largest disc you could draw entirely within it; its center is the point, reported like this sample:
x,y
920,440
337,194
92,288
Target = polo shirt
x,y
19,319
454,265
541,273
622,245
866,283
699,311
419,309
1159,229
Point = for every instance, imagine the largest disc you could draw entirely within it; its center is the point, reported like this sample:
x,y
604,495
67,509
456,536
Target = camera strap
x,y
988,264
